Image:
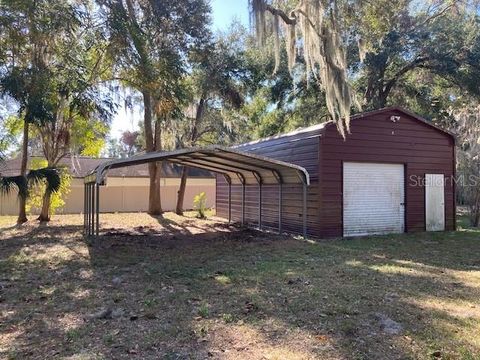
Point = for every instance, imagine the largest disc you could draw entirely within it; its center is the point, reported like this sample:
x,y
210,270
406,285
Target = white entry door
x,y
373,198
434,202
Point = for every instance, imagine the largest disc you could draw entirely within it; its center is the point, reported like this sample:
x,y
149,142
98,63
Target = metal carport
x,y
237,167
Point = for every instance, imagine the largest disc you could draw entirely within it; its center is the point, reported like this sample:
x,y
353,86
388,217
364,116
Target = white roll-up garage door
x,y
373,198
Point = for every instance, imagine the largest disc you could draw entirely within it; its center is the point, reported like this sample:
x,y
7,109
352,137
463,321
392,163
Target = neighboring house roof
x,y
80,166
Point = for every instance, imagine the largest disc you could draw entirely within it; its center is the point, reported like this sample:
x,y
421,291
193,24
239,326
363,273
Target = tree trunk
x,y
476,219
181,191
381,100
154,200
22,213
376,97
46,200
158,172
45,212
475,210
193,138
474,216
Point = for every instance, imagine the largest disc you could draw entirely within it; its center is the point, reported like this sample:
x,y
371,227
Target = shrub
x,y
199,204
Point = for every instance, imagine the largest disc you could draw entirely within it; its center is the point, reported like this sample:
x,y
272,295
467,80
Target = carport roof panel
x,y
238,166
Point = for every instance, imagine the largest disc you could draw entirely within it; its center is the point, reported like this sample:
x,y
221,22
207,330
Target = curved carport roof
x,y
238,167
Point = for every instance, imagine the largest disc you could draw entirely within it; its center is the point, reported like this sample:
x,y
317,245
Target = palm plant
x,y
21,184
9,184
51,177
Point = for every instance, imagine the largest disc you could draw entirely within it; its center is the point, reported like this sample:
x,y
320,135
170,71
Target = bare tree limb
x,y
410,66
434,16
292,20
286,19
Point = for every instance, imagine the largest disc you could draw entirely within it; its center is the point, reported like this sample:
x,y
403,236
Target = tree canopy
x,y
364,52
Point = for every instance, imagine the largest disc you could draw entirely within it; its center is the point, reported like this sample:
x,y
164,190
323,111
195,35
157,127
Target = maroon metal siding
x,y
375,138
300,149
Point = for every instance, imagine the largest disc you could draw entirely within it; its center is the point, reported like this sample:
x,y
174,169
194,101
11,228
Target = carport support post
x,y
92,199
260,204
304,210
88,209
243,202
229,201
280,210
87,229
84,206
97,229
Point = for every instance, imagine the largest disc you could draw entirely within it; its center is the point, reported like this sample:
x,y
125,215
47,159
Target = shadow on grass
x,y
243,294
277,288
169,227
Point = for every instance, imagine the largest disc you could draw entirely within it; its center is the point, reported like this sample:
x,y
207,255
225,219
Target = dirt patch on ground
x,y
182,288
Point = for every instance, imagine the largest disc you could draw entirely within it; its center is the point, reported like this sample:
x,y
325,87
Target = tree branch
x,y
291,20
286,19
410,66
432,17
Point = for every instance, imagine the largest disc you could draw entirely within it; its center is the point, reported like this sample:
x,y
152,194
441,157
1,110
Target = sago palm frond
x,y
49,175
14,183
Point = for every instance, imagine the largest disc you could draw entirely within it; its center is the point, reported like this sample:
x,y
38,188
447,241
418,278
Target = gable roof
x,y
80,166
318,129
406,112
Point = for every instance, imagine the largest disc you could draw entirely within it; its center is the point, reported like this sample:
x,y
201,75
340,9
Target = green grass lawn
x,y
204,290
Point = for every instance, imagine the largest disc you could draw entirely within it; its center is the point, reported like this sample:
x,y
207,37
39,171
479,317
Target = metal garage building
x,y
394,173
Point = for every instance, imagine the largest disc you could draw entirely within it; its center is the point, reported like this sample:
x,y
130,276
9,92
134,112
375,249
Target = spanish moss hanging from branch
x,y
276,42
290,39
258,18
316,22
